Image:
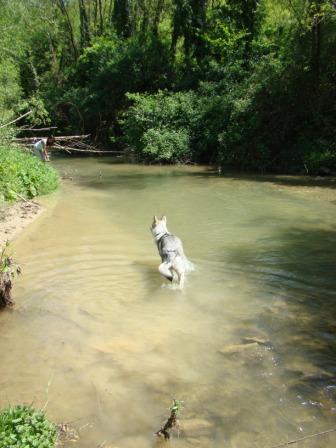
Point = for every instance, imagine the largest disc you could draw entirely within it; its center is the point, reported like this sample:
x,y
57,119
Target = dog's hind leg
x,y
179,268
164,270
181,279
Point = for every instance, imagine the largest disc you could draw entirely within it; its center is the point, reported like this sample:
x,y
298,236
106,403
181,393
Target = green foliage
x,y
247,83
40,115
4,260
20,69
7,133
166,145
10,91
159,127
22,173
105,72
6,263
317,156
24,427
176,407
258,100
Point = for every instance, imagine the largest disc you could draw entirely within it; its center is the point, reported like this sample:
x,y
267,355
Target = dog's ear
x,y
155,219
164,219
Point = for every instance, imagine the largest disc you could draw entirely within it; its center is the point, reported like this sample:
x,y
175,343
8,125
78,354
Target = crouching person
x,y
41,148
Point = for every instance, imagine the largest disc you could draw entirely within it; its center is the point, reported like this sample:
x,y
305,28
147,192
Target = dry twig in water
x,y
290,442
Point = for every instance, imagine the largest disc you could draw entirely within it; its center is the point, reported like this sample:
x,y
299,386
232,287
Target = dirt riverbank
x,y
14,218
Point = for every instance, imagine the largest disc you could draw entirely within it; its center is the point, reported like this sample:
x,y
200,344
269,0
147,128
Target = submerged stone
x,y
259,341
238,348
199,442
195,427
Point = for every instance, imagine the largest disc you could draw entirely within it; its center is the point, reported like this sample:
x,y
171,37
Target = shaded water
x,y
95,320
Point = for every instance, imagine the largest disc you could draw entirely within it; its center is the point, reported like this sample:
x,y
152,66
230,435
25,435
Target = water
x,y
103,341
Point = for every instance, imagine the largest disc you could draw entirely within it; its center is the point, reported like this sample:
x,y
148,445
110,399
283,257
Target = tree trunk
x,y
84,24
198,27
63,9
157,16
122,18
316,49
110,13
101,20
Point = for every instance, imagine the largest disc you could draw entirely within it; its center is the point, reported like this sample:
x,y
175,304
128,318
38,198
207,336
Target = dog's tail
x,y
189,266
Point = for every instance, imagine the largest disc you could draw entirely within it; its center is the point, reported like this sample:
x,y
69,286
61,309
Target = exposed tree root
x,y
66,434
172,420
8,270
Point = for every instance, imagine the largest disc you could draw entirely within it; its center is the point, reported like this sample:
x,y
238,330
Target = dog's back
x,y
169,246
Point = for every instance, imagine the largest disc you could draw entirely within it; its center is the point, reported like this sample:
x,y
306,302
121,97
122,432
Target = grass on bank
x,y
24,427
24,174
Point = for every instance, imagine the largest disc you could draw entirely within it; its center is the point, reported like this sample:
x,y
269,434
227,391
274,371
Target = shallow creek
x,y
249,345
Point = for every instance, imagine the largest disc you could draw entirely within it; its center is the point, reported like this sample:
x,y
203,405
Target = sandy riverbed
x,y
14,218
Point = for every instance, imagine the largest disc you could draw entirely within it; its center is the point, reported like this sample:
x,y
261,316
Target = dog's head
x,y
159,226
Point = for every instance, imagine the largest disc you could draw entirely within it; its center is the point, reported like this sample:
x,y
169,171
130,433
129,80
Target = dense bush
x,y
97,83
159,127
24,427
166,145
25,174
264,122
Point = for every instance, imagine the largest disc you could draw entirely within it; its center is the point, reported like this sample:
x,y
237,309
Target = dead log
x,y
38,129
70,149
58,138
93,150
68,143
71,137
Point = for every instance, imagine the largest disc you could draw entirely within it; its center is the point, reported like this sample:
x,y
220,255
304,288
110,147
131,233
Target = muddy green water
x,y
95,320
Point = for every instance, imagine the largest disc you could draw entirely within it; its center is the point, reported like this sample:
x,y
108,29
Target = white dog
x,y
171,252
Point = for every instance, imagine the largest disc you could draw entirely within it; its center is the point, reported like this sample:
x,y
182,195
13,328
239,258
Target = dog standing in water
x,y
171,252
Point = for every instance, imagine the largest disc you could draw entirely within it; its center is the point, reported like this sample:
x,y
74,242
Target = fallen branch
x,y
38,129
59,138
97,151
71,137
304,438
70,149
17,119
21,197
72,143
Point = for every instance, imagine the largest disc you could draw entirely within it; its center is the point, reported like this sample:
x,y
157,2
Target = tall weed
x,y
22,173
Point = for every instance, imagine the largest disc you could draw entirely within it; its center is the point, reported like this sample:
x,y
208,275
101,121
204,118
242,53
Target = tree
x,y
122,19
84,24
189,21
